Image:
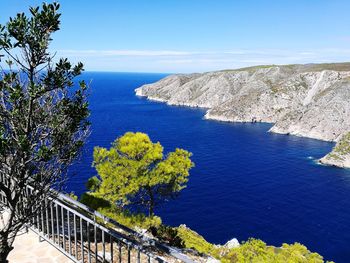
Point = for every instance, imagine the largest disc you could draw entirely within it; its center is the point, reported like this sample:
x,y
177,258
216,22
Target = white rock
x,y
303,100
233,243
212,260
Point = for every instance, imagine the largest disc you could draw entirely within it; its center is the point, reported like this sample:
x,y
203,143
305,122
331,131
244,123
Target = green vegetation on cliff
x,y
341,149
256,251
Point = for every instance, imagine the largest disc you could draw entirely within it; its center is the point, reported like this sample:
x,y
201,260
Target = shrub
x,y
256,251
193,240
168,234
129,219
93,201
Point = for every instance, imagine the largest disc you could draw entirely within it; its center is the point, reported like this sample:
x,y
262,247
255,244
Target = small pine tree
x,y
134,171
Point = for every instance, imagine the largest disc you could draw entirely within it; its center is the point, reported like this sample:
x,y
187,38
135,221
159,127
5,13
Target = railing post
x,y
111,244
47,218
57,226
75,236
120,251
63,230
81,239
88,239
129,255
52,223
95,237
69,238
103,246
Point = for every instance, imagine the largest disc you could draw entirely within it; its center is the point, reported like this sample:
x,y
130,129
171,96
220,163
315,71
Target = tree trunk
x,y
151,210
151,203
5,249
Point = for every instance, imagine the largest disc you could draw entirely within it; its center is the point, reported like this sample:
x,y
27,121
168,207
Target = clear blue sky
x,y
197,35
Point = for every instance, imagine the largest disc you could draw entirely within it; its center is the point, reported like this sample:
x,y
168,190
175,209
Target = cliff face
x,y
340,155
304,100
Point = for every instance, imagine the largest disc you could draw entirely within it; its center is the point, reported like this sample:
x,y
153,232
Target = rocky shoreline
x,y
310,100
340,155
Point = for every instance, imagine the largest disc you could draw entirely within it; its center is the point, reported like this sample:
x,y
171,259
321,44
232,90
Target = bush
x,y
72,195
256,251
121,215
168,234
193,240
131,220
93,201
93,184
252,251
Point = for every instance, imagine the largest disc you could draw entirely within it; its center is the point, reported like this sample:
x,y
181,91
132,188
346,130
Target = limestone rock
x,y
233,243
310,100
212,260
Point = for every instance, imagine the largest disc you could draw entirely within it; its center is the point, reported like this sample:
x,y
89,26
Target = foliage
x,y
252,251
73,196
168,234
255,250
43,116
134,171
94,201
297,253
131,220
93,184
193,240
122,216
343,147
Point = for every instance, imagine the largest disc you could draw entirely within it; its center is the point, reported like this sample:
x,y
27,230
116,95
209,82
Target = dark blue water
x,y
246,183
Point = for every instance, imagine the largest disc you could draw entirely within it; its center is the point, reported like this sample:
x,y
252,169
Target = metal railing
x,y
85,235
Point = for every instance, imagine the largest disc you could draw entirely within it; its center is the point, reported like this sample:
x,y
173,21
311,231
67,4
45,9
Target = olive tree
x,y
43,118
135,171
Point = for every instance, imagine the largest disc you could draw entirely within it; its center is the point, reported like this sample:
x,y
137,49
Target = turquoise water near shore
x,y
246,183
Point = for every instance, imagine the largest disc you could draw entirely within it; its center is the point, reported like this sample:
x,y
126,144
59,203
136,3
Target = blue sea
x,y
246,183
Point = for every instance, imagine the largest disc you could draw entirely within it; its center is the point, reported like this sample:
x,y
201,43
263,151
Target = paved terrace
x,y
28,249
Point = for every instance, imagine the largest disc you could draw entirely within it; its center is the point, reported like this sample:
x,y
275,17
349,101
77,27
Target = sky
x,y
175,36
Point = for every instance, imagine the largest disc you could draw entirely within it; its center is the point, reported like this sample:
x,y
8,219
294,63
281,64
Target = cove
x,y
246,183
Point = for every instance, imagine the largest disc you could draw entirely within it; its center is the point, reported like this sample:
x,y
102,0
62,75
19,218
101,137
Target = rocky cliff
x,y
310,100
340,155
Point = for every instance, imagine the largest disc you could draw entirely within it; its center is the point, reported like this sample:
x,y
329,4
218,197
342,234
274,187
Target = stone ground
x,y
28,249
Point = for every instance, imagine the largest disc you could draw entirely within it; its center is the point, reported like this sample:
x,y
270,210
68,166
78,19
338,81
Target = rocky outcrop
x,y
340,155
233,243
305,100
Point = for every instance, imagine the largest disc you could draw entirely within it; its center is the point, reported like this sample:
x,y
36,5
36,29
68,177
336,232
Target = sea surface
x,y
247,182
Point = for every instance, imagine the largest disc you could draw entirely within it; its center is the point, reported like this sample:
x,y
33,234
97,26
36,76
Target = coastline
x,y
308,101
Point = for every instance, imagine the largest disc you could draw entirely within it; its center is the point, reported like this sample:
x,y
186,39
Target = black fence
x,y
85,235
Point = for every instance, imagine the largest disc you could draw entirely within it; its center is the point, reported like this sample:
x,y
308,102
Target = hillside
x,y
311,100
